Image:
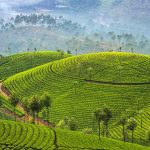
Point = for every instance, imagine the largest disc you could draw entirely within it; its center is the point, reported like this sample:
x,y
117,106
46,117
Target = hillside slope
x,y
7,109
81,84
21,136
23,61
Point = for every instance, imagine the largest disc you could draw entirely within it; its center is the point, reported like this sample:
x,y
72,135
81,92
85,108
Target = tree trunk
x,y
99,131
103,130
124,137
33,117
132,136
14,113
37,118
106,126
47,113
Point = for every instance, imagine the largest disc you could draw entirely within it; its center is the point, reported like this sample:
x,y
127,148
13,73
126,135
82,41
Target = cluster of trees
x,y
128,124
103,116
110,41
68,123
33,106
41,20
126,41
73,38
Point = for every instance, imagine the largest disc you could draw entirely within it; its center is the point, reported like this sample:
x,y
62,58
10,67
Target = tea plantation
x,y
22,136
13,64
80,84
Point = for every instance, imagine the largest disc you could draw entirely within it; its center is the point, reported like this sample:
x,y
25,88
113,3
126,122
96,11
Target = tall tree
x,y
72,123
120,48
131,125
14,101
35,49
47,102
26,107
35,106
141,117
28,49
123,121
99,116
108,116
68,51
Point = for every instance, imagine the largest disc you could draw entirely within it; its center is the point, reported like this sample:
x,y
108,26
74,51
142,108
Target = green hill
x,y
7,109
21,136
20,62
80,84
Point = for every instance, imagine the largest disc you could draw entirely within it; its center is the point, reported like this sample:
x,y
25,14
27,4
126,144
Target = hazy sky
x,y
118,14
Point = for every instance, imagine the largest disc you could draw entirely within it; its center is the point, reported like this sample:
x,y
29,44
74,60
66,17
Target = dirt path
x,y
3,90
26,117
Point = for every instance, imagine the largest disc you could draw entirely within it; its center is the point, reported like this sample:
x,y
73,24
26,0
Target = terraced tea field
x,y
7,107
19,136
11,65
80,84
20,62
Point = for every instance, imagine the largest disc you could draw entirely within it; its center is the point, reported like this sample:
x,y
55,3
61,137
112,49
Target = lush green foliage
x,y
124,88
21,136
20,62
7,106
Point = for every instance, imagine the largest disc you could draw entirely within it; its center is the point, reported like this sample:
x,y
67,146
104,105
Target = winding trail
x,y
100,82
3,91
24,117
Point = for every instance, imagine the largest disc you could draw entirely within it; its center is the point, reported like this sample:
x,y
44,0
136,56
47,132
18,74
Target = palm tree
x,y
35,106
68,51
132,50
141,117
99,116
131,125
28,49
61,53
14,101
122,121
35,49
47,102
120,48
108,116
